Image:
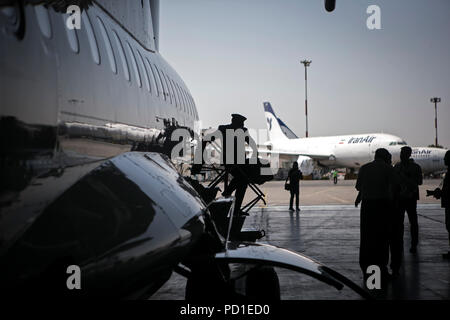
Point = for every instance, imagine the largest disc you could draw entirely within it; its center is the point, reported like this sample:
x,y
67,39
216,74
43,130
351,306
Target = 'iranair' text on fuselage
x,y
367,139
420,152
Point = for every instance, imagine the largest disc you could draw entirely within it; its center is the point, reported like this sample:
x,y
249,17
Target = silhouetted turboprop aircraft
x,y
86,186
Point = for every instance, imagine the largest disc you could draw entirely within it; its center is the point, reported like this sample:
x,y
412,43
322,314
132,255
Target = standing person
x,y
444,195
410,175
236,147
395,224
334,174
294,176
374,180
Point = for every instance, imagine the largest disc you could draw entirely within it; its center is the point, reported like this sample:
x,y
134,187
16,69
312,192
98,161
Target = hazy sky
x,y
235,54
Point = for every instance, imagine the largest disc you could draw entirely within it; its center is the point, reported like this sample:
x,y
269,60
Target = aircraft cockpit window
x,y
96,214
108,47
402,143
134,63
393,143
123,58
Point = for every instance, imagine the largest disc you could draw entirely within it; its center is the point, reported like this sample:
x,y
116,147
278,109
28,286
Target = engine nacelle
x,y
306,165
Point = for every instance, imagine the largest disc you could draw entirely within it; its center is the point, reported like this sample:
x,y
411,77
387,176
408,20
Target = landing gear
x,y
263,284
260,283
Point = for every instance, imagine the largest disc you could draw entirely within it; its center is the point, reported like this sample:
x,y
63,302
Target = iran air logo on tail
x,y
269,121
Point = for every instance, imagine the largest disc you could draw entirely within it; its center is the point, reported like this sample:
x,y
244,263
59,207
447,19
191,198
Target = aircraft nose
x,y
395,152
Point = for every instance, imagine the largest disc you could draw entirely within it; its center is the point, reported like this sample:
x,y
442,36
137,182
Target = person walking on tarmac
x,y
410,175
444,195
294,177
373,183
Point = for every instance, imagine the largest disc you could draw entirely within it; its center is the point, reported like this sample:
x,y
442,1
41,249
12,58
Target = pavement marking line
x,y
337,199
312,193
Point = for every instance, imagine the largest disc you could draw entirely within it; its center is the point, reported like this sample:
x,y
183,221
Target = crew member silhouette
x,y
294,176
395,224
374,180
236,164
444,195
410,175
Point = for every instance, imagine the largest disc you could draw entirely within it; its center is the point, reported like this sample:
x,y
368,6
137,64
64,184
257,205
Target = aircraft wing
x,y
290,153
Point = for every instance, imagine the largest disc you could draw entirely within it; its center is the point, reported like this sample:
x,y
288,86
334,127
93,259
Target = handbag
x,y
287,186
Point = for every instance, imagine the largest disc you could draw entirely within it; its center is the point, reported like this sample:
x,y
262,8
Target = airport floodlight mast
x,y
306,63
435,100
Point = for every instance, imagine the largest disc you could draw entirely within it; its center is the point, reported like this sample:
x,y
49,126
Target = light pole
x,y
306,63
435,100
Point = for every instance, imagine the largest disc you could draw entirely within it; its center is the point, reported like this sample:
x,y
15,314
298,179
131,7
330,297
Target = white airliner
x,y
430,159
348,151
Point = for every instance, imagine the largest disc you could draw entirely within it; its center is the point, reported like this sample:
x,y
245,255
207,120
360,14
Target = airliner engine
x,y
306,165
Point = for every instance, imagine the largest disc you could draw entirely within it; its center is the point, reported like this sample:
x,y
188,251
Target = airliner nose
x,y
395,152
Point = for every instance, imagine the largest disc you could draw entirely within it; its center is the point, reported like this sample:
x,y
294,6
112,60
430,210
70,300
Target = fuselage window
x,y
43,20
183,99
155,82
72,36
194,109
123,58
187,102
162,84
178,94
174,93
190,103
108,47
134,63
195,112
167,86
91,37
144,71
